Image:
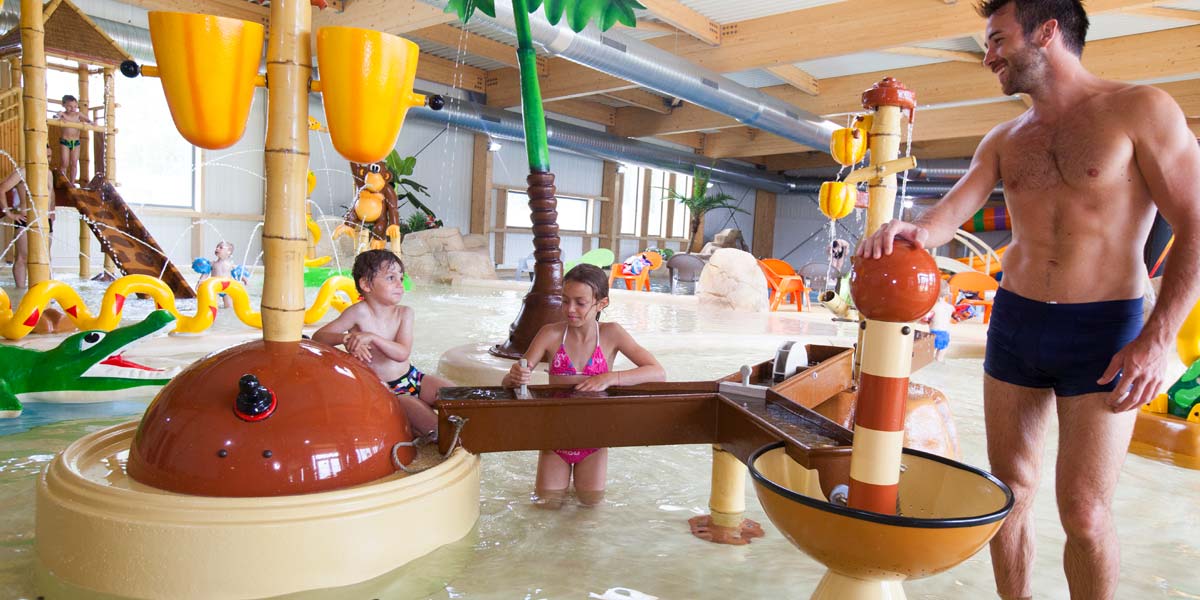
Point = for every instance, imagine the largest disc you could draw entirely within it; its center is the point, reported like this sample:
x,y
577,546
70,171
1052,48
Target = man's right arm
x,y
938,224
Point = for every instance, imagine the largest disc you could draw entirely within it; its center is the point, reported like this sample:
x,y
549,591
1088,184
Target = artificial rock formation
x,y
726,238
443,254
732,280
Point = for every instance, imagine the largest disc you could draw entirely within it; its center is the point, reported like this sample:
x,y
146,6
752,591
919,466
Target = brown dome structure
x,y
269,419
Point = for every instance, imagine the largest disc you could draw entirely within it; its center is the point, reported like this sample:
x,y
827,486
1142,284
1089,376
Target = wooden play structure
x,y
71,42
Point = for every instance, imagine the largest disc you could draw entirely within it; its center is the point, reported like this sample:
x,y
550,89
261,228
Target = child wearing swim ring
x,y
379,332
580,350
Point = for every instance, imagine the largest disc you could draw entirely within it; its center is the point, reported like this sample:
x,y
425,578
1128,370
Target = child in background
x,y
585,295
379,332
70,137
222,267
940,317
635,264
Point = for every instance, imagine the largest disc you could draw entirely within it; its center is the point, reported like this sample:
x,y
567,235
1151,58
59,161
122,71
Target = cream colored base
x,y
471,365
835,586
98,529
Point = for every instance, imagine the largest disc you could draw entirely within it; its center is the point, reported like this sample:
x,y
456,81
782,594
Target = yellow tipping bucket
x,y
367,88
208,66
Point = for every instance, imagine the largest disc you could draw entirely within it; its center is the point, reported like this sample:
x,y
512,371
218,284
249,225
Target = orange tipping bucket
x,y
367,88
208,66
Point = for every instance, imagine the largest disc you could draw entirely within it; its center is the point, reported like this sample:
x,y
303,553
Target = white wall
x,y
717,220
802,233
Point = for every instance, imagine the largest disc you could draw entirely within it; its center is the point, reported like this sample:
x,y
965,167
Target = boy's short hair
x,y
225,243
69,98
368,264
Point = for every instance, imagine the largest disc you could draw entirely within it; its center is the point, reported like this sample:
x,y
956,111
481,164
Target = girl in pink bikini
x,y
592,344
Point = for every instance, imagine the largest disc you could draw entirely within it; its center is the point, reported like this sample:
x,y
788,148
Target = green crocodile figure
x,y
86,367
1185,393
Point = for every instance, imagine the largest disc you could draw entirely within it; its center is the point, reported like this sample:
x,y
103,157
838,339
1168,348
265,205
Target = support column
x,y
285,238
110,151
85,165
610,188
727,523
764,224
481,188
37,169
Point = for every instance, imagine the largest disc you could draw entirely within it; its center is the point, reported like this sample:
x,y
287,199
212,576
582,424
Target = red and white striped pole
x,y
891,292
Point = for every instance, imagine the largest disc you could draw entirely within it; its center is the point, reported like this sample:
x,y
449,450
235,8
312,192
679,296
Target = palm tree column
x,y
543,303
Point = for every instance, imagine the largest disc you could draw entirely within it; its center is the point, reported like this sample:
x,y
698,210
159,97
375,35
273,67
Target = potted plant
x,y
700,202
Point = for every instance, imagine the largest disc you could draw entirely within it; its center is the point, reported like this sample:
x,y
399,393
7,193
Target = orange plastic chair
x,y
974,281
783,282
639,282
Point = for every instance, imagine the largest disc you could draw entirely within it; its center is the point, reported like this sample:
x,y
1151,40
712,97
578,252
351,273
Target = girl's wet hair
x,y
368,264
591,276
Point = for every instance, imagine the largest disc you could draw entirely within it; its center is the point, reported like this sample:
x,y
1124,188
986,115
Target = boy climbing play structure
x,y
69,36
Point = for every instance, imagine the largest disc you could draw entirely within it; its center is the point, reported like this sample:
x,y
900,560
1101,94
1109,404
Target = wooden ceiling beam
x,y
1162,12
797,78
1127,58
819,32
692,140
388,16
563,80
686,19
641,99
954,55
238,9
446,72
593,112
448,35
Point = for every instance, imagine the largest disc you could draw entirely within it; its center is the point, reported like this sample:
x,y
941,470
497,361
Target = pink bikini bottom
x,y
575,455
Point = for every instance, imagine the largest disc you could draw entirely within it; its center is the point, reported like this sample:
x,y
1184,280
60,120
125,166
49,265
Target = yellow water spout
x,y
208,66
367,88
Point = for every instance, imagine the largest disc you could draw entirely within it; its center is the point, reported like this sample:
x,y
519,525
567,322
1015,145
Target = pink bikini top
x,y
562,365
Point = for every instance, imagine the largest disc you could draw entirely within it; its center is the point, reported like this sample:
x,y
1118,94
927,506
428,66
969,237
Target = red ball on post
x,y
898,287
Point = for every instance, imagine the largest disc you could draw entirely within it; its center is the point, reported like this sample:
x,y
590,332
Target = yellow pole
x,y
85,164
885,146
727,501
110,127
16,76
110,146
37,171
285,238
888,99
85,137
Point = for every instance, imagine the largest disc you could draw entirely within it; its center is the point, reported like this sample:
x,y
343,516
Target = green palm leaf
x,y
605,13
465,8
554,10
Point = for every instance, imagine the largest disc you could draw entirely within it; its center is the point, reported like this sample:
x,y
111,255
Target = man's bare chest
x,y
1076,155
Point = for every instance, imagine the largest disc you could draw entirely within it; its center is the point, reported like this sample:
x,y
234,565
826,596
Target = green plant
x,y
407,190
666,253
700,202
415,222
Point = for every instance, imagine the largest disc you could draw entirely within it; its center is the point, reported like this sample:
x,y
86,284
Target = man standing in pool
x,y
1084,170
